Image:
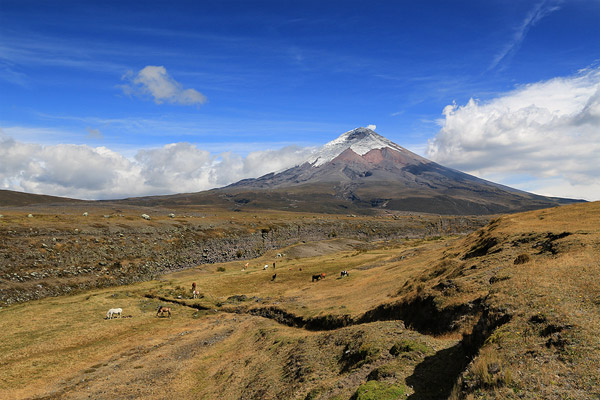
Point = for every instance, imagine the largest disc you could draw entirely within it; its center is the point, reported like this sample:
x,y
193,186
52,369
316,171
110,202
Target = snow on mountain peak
x,y
360,140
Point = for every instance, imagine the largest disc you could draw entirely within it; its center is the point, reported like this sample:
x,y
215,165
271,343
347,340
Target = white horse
x,y
112,312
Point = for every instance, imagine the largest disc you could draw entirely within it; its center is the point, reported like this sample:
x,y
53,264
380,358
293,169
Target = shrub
x,y
522,259
380,373
356,355
487,371
221,269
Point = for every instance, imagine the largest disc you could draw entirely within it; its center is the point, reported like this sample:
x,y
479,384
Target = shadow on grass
x,y
435,376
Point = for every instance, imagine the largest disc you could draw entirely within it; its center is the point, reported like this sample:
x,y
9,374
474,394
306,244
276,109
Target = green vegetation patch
x,y
408,346
374,390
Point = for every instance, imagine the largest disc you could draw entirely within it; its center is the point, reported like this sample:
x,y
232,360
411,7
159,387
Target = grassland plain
x,y
509,311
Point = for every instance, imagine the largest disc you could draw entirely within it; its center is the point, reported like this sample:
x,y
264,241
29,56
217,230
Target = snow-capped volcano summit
x,y
359,140
363,172
362,169
355,155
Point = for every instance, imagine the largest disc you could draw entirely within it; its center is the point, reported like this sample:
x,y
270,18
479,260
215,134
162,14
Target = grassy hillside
x,y
17,199
510,311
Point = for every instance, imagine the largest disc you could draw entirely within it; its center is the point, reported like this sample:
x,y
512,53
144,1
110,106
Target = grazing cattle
x,y
113,312
344,273
245,266
195,294
193,286
318,277
162,310
273,277
266,267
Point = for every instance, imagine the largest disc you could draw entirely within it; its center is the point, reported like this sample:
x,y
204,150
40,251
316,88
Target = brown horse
x,y
162,310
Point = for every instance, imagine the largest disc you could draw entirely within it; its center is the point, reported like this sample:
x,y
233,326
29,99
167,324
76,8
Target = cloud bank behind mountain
x,y
542,137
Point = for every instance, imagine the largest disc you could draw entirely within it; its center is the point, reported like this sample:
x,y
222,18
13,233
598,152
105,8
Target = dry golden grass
x,y
59,342
375,276
63,348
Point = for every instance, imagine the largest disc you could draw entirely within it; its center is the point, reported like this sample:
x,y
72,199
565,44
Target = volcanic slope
x,y
510,311
363,172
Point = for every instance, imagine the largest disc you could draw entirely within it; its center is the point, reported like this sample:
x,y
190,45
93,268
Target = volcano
x,y
363,172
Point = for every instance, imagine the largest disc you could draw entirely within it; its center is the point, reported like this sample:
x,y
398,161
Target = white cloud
x,y
156,82
66,170
372,127
16,157
233,167
86,172
545,135
175,167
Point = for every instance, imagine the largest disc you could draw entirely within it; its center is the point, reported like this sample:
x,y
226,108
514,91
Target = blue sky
x,y
244,86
